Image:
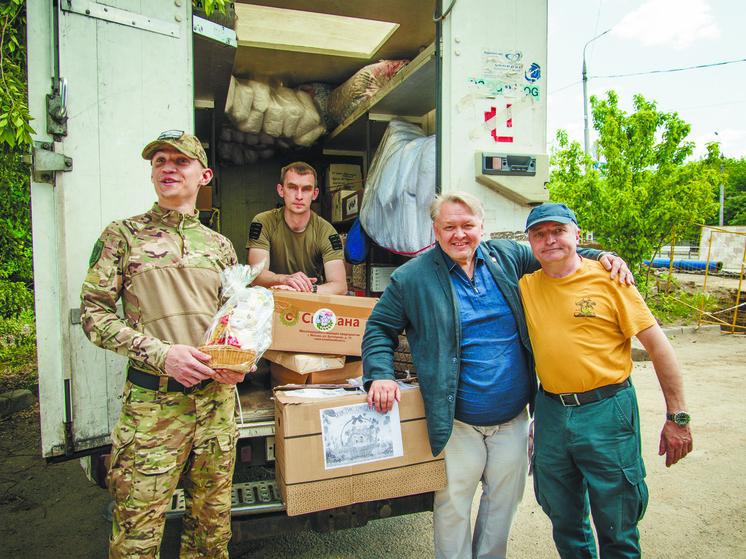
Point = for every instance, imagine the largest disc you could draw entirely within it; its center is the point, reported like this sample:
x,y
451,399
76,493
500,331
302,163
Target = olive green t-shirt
x,y
291,252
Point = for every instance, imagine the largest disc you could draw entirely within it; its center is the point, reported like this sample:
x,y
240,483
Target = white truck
x,y
106,78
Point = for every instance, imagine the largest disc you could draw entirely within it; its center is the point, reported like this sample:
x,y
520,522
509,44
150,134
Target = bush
x,y
15,298
679,306
18,353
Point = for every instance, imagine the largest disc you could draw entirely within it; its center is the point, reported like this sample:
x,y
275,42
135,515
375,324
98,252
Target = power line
x,y
672,70
563,88
651,72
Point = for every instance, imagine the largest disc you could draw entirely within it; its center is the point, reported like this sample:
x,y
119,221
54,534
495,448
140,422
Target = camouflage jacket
x,y
165,266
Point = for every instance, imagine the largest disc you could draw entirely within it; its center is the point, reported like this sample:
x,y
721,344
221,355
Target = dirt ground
x,y
697,508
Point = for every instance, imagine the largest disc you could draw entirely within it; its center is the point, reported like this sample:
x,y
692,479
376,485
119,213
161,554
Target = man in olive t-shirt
x,y
305,252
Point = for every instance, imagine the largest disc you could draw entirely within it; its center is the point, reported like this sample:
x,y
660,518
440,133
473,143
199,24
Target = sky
x,y
652,36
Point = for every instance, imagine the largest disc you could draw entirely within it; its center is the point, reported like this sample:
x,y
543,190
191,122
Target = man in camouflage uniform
x,y
177,413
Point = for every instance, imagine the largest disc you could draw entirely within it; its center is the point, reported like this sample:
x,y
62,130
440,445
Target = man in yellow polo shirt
x,y
587,451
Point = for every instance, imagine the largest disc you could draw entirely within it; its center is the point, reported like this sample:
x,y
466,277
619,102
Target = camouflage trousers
x,y
160,436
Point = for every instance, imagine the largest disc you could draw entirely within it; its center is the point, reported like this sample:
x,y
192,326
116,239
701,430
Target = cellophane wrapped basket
x,y
242,329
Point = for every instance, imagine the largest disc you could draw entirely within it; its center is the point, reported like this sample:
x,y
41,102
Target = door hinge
x,y
123,17
45,162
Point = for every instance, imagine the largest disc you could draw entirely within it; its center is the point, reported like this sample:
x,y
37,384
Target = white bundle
x,y
399,190
234,153
310,137
253,124
266,140
293,111
239,101
309,120
250,156
274,116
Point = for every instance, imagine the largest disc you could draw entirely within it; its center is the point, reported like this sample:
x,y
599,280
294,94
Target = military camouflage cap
x,y
186,143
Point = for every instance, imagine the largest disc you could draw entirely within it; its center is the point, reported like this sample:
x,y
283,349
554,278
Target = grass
x,y
18,353
679,306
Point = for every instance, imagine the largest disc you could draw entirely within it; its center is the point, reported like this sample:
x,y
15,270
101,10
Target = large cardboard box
x,y
346,205
339,176
282,375
308,486
315,323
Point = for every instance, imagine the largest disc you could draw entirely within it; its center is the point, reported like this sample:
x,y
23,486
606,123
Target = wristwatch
x,y
681,418
313,288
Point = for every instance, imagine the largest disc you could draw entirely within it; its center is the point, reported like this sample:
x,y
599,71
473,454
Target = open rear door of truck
x,y
104,79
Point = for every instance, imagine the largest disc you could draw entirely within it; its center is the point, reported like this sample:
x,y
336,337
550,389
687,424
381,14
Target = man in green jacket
x,y
460,306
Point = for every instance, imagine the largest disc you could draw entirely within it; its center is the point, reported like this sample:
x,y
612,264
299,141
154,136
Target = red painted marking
x,y
491,114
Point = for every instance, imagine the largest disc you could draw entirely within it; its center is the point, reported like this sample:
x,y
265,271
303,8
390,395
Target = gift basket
x,y
242,329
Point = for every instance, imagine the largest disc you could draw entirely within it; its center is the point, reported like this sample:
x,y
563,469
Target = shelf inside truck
x,y
411,93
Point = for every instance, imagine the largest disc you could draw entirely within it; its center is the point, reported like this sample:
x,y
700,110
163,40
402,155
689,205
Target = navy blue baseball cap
x,y
550,212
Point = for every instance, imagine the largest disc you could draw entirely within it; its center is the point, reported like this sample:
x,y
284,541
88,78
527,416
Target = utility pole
x,y
722,189
585,93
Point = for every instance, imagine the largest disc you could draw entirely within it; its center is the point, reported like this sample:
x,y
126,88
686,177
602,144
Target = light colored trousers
x,y
498,457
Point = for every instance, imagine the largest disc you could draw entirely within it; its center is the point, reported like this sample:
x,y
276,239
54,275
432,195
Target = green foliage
x,y
734,177
680,307
15,220
15,137
644,193
210,5
15,131
18,353
15,298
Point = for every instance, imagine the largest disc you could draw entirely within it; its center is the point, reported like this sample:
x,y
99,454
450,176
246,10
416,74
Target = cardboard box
x,y
305,362
315,323
307,486
282,375
380,277
204,198
339,176
346,205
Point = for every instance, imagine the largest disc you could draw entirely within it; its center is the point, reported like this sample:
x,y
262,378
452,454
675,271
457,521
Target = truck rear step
x,y
246,498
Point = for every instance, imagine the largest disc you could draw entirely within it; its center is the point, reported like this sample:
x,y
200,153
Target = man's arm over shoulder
x,y
676,440
513,257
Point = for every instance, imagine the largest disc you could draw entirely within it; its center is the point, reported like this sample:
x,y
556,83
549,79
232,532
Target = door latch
x,y
45,162
57,111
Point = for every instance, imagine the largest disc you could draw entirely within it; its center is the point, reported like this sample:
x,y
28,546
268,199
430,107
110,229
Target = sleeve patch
x,y
96,253
255,230
336,241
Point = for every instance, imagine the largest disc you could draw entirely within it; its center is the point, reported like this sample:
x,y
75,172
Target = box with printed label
x,y
346,205
309,473
316,323
341,175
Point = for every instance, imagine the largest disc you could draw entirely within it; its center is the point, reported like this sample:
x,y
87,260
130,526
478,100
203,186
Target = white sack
x,y
400,187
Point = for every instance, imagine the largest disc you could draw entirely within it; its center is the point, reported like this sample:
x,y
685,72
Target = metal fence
x,y
725,249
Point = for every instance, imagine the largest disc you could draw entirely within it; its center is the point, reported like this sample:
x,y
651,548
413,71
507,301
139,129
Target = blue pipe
x,y
686,265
